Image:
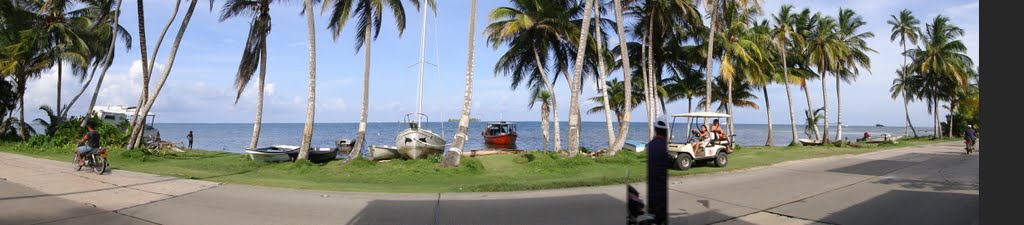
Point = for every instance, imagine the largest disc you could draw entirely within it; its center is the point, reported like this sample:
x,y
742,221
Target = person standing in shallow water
x,y
189,136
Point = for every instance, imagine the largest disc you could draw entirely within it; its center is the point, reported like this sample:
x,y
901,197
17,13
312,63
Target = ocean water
x,y
235,137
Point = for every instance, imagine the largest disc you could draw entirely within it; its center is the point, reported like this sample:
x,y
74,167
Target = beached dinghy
x,y
635,146
276,153
383,152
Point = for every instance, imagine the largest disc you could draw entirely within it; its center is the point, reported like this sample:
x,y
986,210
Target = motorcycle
x,y
96,159
635,208
970,146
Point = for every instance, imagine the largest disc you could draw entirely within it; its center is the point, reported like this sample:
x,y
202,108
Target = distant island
x,y
471,120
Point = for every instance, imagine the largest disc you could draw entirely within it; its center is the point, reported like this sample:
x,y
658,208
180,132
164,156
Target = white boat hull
x,y
383,152
267,157
418,143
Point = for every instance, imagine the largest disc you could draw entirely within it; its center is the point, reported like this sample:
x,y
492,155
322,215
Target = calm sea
x,y
235,137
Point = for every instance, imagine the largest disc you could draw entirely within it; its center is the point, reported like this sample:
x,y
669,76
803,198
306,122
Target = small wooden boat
x,y
883,138
809,142
635,146
879,125
276,153
344,146
382,152
500,134
317,155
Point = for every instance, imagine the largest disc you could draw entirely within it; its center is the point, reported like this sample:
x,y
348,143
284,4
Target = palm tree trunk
x,y
544,116
906,109
60,73
21,110
307,130
554,102
647,86
951,107
602,85
935,112
106,65
160,40
64,114
711,45
624,52
768,108
789,98
451,158
824,99
136,133
170,64
259,95
728,108
839,113
807,93
689,120
576,84
363,116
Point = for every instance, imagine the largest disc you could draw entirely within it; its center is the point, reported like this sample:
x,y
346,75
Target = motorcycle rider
x,y
970,135
92,142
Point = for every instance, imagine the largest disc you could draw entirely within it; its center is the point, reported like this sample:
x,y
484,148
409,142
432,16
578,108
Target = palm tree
x,y
23,54
144,95
544,97
812,120
534,31
905,27
64,36
137,128
106,62
742,95
627,81
783,34
102,15
51,123
855,43
942,63
369,14
452,156
575,85
601,71
716,9
254,55
742,55
824,50
616,99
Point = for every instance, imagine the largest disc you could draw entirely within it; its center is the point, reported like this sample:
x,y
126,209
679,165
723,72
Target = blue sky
x,y
200,87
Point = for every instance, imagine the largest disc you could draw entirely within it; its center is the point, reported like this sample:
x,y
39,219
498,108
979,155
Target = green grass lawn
x,y
525,171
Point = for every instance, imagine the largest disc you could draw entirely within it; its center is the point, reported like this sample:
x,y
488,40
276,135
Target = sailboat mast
x,y
423,43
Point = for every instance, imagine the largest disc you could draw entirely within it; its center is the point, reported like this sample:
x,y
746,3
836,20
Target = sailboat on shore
x,y
416,142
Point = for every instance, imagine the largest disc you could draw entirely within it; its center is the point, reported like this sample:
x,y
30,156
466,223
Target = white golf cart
x,y
683,153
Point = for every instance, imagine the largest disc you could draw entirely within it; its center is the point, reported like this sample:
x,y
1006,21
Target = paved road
x,y
934,184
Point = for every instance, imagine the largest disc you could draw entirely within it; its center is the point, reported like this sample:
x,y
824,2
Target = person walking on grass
x,y
189,136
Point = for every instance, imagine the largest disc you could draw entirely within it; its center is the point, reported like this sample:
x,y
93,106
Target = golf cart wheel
x,y
721,159
684,161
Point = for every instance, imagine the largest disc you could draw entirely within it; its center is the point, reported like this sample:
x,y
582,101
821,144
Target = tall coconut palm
x,y
534,31
742,95
137,128
803,23
106,62
616,99
627,81
783,32
715,10
906,28
452,156
102,15
576,85
942,62
369,16
64,37
742,54
254,55
824,51
601,71
544,97
855,43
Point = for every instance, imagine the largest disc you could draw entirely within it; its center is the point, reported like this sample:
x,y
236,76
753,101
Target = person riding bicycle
x,y
970,135
92,143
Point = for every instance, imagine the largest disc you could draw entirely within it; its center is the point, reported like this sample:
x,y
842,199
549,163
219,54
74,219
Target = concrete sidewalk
x,y
933,184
